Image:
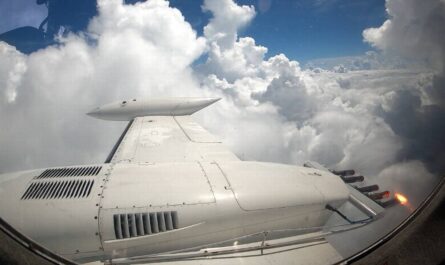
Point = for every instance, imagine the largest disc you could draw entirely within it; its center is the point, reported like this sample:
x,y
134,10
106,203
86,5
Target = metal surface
x,y
259,186
169,139
364,204
127,110
66,225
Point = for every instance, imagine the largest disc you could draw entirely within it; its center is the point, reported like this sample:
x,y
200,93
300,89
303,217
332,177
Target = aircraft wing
x,y
162,130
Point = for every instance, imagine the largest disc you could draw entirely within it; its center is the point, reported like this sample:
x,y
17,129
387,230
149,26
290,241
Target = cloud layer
x,y
272,109
415,30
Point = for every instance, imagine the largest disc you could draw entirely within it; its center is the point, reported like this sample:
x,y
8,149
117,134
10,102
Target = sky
x,y
303,30
306,29
380,110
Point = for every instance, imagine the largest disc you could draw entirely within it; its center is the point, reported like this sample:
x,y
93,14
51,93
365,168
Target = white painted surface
x,y
169,139
65,226
127,110
157,185
267,185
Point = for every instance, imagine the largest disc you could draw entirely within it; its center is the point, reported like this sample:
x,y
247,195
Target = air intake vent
x,y
58,190
69,172
141,224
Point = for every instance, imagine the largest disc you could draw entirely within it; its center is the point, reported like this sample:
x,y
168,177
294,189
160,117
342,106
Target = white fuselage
x,y
111,210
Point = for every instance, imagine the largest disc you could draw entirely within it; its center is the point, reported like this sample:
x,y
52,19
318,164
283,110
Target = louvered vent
x,y
141,224
69,172
58,189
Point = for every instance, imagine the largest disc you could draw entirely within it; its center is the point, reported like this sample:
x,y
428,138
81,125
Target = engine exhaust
x,y
379,195
347,172
352,179
368,188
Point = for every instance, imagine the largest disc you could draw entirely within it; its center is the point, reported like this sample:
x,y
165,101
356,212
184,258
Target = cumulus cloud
x,y
13,66
228,18
415,30
371,60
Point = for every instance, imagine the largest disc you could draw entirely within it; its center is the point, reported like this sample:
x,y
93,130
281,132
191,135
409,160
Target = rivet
x,y
95,217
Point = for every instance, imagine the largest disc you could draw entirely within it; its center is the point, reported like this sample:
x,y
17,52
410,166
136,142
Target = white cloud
x,y
414,29
227,19
152,23
12,68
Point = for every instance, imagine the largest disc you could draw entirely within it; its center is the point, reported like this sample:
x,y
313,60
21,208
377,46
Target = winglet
x,y
129,109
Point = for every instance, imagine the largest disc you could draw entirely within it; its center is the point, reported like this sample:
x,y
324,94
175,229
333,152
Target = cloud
x,y
415,30
310,114
13,66
371,60
228,18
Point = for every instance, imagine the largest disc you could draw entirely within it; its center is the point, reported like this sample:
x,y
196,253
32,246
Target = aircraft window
x,y
351,84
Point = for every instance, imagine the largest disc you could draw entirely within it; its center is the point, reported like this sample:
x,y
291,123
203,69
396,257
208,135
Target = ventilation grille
x,y
58,189
69,172
141,224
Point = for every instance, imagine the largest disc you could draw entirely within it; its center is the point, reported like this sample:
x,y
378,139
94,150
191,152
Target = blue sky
x,y
301,29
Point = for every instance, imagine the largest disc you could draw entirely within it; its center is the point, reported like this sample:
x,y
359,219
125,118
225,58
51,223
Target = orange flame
x,y
402,199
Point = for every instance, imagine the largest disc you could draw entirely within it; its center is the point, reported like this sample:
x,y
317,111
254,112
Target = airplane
x,y
169,190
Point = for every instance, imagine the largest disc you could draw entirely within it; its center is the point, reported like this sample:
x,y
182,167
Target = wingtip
x,y
93,113
213,100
